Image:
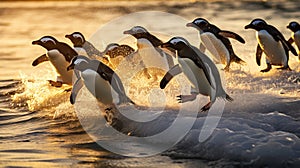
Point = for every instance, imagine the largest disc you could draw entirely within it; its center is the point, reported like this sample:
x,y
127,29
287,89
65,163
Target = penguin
x,y
200,71
272,43
99,79
82,46
295,28
216,42
140,32
60,55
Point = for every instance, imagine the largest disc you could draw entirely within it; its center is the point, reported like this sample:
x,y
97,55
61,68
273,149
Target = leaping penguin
x,y
295,28
216,42
272,43
82,46
199,69
99,80
60,55
143,36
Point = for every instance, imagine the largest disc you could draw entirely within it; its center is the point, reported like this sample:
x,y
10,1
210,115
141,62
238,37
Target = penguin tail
x,y
228,98
238,60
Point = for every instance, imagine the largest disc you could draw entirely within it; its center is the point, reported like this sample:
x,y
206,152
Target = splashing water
x,y
39,95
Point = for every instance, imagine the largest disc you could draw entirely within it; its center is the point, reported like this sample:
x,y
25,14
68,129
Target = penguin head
x,y
137,31
294,26
47,42
140,32
77,39
79,63
176,43
198,23
256,24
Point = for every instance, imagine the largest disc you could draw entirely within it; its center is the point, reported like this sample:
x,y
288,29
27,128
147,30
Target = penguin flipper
x,y
76,87
40,59
175,70
259,52
287,44
233,35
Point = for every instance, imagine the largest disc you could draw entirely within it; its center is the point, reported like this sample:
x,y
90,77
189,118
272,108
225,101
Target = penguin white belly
x,y
99,87
195,75
150,56
274,50
216,47
60,64
296,38
81,51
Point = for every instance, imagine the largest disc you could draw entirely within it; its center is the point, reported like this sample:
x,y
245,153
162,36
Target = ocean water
x,y
39,127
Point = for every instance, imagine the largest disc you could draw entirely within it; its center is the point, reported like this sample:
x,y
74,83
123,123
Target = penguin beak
x,y
128,32
68,36
70,67
248,26
191,25
37,42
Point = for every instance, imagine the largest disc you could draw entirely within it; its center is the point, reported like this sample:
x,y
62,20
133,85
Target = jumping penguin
x,y
60,55
272,43
199,69
142,34
216,41
99,80
295,28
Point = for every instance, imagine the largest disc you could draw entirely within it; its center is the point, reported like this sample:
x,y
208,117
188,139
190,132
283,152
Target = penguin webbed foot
x,y
186,98
267,69
285,68
206,107
55,84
